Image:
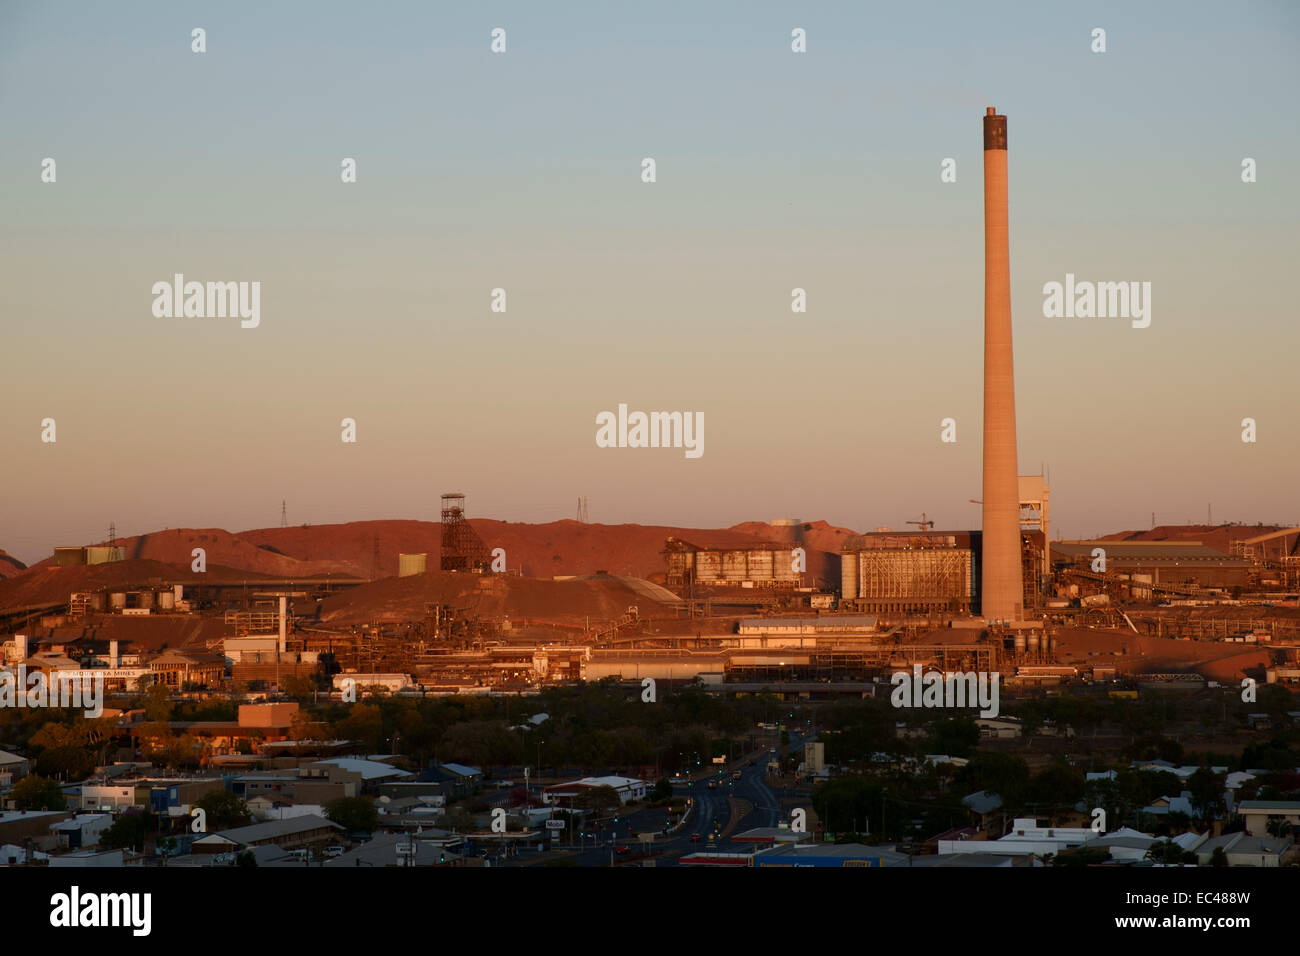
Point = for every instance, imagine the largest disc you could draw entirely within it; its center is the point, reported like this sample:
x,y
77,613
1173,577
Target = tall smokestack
x,y
1002,590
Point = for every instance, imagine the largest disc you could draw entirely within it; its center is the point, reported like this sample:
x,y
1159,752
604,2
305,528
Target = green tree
x,y
157,706
38,793
225,810
1218,857
354,814
130,831
597,798
956,736
1081,856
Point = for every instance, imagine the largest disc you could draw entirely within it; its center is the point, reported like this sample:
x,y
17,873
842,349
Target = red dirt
x,y
1219,537
600,598
1131,653
539,550
9,565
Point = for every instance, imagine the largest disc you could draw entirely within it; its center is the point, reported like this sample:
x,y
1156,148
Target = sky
x,y
522,171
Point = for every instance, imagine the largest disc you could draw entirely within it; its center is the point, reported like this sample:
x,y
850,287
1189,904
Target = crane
x,y
925,525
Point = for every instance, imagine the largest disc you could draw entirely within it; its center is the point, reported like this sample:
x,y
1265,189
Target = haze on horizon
x,y
522,171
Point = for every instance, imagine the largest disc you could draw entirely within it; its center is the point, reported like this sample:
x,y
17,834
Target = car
x,y
621,850
695,838
332,851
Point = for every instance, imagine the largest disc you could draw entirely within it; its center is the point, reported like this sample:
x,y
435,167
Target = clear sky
x,y
522,171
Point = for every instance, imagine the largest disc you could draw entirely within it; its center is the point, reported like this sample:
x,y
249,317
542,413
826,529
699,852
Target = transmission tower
x,y
284,514
112,534
582,511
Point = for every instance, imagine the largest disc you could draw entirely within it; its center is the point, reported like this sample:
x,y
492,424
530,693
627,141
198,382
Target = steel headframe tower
x,y
462,549
1002,591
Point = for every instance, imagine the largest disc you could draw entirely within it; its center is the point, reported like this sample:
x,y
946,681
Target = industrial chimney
x,y
1002,590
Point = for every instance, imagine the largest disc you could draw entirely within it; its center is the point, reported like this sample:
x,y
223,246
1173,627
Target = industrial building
x,y
898,573
755,566
1147,569
94,554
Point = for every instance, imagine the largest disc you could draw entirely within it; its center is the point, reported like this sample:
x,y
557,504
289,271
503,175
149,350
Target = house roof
x,y
369,769
982,801
270,830
1269,806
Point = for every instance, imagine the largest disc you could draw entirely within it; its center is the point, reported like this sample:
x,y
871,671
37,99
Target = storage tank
x,y
849,575
144,599
166,600
1020,645
409,564
117,600
1032,644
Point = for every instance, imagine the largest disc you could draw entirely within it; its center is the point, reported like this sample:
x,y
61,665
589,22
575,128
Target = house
x,y
369,773
1126,845
287,834
101,797
1258,813
18,826
12,769
432,848
1242,849
999,728
81,831
1026,838
982,804
456,776
1163,806
179,668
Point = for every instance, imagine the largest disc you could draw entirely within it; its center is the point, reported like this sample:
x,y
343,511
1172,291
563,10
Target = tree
x,y
130,831
597,798
157,706
1218,857
1081,856
663,790
353,813
957,736
225,809
1279,827
38,793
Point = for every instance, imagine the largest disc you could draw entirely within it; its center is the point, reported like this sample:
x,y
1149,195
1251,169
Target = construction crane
x,y
925,525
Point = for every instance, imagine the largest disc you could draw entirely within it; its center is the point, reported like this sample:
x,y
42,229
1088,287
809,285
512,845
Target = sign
x,y
555,824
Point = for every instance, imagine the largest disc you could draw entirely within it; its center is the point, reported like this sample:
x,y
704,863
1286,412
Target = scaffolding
x,y
914,580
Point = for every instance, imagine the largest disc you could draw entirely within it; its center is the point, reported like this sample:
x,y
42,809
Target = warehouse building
x,y
1159,565
756,566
